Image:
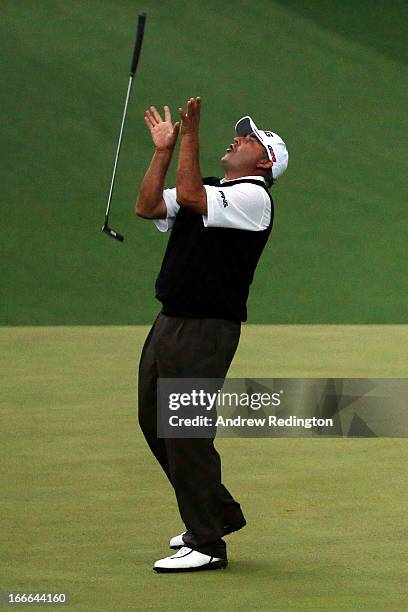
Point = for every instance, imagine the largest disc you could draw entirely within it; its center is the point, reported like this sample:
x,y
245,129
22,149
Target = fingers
x,y
153,118
149,120
195,100
167,114
193,109
156,115
193,106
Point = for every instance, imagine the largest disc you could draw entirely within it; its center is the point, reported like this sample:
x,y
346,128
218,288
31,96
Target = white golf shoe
x,y
177,542
189,560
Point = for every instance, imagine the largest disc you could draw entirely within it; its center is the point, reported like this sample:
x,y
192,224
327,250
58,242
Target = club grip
x,y
138,43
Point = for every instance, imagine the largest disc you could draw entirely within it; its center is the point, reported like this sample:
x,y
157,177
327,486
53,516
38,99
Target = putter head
x,y
111,232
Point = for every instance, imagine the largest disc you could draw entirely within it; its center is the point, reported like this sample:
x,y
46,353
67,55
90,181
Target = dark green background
x,y
330,77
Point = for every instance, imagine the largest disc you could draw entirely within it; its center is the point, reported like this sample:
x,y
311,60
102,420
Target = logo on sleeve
x,y
224,199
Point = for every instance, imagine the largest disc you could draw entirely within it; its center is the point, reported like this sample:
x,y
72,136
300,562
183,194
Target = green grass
x,y
86,510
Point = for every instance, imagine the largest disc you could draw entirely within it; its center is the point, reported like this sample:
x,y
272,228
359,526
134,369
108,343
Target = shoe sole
x,y
209,566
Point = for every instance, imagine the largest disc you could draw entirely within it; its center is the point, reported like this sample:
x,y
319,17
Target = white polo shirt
x,y
242,206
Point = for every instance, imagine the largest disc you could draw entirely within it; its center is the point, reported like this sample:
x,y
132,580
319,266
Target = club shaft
x,y
118,147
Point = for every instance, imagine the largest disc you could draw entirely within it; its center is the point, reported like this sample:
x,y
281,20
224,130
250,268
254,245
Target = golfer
x,y
219,228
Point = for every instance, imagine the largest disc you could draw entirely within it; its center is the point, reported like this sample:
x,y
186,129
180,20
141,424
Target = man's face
x,y
244,154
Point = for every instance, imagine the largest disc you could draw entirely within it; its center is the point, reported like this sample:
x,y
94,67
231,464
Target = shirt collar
x,y
257,178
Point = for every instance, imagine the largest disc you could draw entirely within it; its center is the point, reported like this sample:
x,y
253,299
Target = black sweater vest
x,y
206,272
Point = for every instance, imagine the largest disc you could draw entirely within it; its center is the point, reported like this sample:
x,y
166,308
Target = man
x,y
219,229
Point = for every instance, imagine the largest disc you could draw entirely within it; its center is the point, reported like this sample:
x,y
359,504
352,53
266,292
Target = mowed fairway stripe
x,y
86,510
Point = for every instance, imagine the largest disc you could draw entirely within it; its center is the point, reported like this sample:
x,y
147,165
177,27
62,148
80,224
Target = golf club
x,y
135,59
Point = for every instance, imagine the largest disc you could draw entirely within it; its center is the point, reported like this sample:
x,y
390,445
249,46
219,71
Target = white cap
x,y
274,145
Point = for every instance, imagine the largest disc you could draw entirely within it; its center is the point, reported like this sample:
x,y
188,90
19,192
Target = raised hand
x,y
164,133
190,118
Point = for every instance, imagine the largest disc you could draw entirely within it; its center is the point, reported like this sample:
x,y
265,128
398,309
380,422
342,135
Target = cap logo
x,y
271,151
269,134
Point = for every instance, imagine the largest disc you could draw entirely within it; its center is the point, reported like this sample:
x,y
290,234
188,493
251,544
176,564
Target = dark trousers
x,y
179,347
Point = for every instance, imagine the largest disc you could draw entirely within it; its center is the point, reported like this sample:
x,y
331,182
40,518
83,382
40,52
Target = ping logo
x,y
224,199
271,151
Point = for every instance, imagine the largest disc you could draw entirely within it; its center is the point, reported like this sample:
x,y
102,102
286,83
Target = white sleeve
x,y
169,197
242,206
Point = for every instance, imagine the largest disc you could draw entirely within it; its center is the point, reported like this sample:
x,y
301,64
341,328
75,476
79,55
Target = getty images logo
x,y
224,199
208,400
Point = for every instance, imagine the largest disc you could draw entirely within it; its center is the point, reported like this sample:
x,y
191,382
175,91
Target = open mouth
x,y
230,148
